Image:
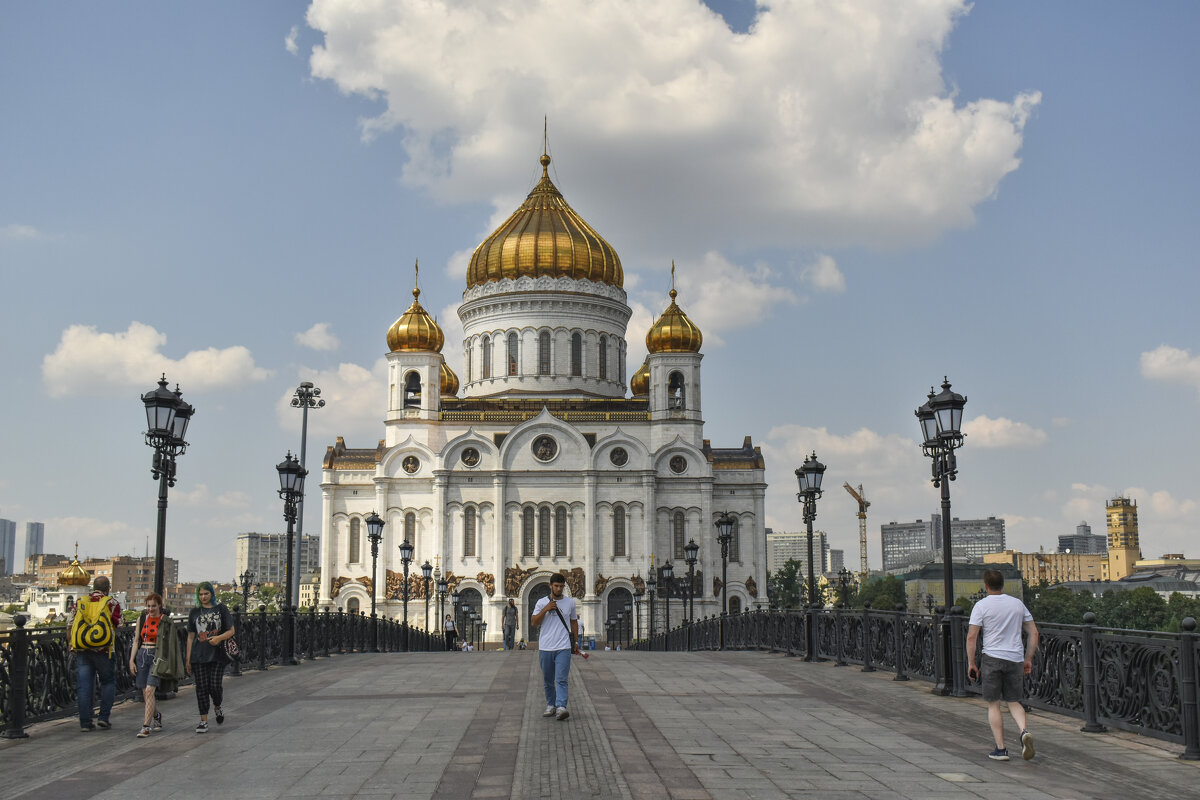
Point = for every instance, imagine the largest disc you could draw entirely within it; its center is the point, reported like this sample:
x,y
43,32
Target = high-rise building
x,y
783,546
905,544
909,544
1124,547
35,539
972,538
265,554
1083,541
8,547
837,560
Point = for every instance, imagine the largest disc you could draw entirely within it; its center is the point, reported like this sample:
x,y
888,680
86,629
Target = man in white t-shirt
x,y
1005,662
558,621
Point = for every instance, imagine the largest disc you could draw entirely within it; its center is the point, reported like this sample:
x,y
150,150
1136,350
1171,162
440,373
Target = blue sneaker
x,y
999,754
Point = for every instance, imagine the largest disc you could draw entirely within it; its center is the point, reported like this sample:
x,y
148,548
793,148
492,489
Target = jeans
x,y
556,666
510,637
90,665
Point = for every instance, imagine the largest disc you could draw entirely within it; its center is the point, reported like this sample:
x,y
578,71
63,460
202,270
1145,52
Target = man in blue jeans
x,y
556,642
96,662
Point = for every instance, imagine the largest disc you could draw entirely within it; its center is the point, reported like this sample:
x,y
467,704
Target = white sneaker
x,y
561,714
549,712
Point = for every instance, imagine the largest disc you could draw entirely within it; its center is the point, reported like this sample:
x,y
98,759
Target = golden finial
x,y
673,292
545,159
437,561
416,278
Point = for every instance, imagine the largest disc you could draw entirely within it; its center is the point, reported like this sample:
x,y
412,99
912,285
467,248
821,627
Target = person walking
x,y
93,625
450,631
557,640
1005,662
510,624
141,661
209,625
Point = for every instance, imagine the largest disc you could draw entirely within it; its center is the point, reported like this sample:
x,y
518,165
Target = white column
x,y
590,532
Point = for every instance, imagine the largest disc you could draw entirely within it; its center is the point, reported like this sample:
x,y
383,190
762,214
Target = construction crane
x,y
863,505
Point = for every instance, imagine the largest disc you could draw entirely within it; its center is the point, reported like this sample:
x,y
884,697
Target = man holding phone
x,y
1005,662
557,640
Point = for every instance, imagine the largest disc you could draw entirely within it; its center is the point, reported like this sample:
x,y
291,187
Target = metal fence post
x,y
941,651
18,680
1191,712
841,643
262,637
235,665
899,632
1091,690
958,653
866,623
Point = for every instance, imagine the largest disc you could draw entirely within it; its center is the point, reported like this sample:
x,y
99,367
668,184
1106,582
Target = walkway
x,y
683,726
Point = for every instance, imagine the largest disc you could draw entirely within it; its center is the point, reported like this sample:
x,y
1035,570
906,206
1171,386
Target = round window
x,y
618,457
678,464
545,448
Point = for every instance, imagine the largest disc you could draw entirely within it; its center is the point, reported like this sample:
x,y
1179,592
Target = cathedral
x,y
543,458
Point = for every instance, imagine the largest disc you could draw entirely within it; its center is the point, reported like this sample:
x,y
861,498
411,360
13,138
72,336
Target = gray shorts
x,y
144,663
1002,680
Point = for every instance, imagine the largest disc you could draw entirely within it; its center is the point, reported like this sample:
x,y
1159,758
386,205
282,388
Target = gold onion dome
x,y
74,575
449,382
415,331
545,236
639,384
674,332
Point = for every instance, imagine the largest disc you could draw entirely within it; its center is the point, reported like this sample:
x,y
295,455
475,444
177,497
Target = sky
x,y
860,198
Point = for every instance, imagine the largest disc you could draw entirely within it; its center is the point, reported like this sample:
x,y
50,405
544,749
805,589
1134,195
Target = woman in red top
x,y
141,661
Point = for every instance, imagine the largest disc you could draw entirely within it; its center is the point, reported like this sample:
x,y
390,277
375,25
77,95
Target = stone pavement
x,y
643,725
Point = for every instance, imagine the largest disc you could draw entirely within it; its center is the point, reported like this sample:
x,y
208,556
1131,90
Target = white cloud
x,y
824,275
203,497
17,232
318,337
355,399
1171,365
1160,504
825,123
289,41
1003,433
87,360
96,537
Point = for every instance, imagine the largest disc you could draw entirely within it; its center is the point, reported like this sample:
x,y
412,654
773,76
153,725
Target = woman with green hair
x,y
209,625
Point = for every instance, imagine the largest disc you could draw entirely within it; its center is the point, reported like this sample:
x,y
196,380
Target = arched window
x,y
353,555
619,531
735,541
352,605
603,357
544,532
487,356
410,527
544,353
527,533
512,353
735,605
412,390
469,531
467,345
576,354
675,391
621,365
560,531
678,535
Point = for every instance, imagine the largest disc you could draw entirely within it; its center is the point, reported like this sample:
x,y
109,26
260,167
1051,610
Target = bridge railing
x,y
38,675
1140,681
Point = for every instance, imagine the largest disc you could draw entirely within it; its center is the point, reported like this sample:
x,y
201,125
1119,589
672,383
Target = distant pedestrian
x,y
1005,662
450,631
141,661
209,625
510,624
93,624
556,642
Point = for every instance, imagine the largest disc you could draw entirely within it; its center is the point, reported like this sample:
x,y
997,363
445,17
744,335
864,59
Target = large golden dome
x,y
545,237
74,575
415,330
674,332
449,382
639,384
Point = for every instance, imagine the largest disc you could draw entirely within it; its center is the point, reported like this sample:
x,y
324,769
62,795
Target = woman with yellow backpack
x,y
92,638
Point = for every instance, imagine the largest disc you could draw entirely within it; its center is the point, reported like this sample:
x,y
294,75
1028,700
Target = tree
x,y
229,599
1061,606
1138,609
785,587
269,595
883,593
1179,608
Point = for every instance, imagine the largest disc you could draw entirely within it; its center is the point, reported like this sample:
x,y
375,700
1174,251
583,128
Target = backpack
x,y
93,625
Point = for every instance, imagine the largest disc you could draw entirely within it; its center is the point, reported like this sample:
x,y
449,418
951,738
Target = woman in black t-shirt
x,y
209,625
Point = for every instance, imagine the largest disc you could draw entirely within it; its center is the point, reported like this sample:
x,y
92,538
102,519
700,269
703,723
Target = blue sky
x,y
860,199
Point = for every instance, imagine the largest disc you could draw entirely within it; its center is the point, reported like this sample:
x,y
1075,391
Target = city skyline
x,y
237,200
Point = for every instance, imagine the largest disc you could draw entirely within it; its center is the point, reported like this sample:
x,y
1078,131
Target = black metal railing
x,y
1141,681
38,676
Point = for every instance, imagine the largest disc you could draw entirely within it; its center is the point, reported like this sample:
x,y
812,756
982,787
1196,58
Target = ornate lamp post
x,y
482,636
620,630
689,555
306,397
844,586
941,427
454,599
442,585
167,418
291,489
724,537
375,525
247,579
652,589
668,573
809,476
406,553
637,612
427,574
628,624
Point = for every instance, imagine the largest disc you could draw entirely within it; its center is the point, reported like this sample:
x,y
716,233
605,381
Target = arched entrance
x,y
536,592
617,600
468,600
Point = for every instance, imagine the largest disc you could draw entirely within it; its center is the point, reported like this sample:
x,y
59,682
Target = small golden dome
x,y
674,332
415,331
74,575
449,381
639,384
545,236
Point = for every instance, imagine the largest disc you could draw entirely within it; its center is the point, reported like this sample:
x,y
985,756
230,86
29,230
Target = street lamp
x,y
629,624
167,418
620,627
247,578
652,588
689,555
306,397
668,573
637,611
809,476
442,585
482,636
375,535
291,489
406,554
844,586
941,426
427,574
